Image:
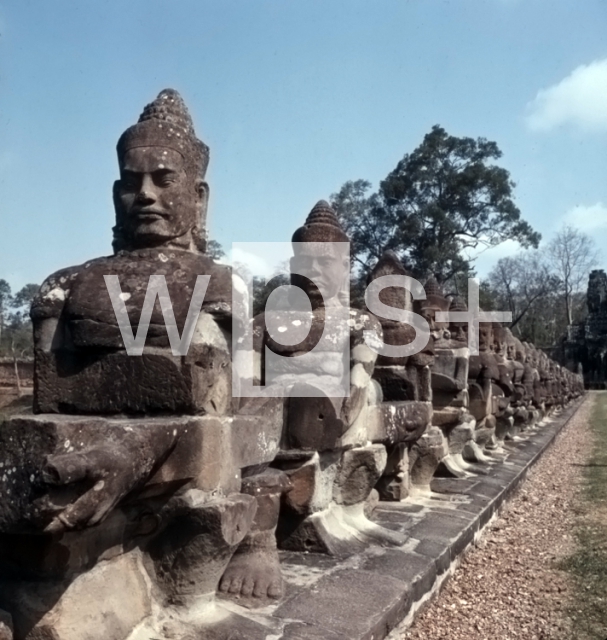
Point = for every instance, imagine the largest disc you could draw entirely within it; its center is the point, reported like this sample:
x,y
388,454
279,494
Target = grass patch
x,y
588,564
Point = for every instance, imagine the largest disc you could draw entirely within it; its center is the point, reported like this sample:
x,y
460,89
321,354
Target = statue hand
x,y
110,473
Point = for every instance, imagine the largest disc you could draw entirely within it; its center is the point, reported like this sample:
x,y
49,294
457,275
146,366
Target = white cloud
x,y
264,259
580,99
587,218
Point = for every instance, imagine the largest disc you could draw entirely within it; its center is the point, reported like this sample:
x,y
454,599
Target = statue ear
x,y
118,242
202,191
116,194
199,230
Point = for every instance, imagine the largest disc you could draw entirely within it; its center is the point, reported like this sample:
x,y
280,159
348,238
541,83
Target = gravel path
x,y
508,586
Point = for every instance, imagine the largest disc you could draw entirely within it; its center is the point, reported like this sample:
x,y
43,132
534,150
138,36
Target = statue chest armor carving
x,y
89,313
308,343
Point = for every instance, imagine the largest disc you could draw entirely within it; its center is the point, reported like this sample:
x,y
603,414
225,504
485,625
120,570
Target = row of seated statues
x,y
141,494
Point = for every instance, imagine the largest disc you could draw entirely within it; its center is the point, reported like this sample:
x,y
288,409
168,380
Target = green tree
x,y
525,285
441,202
215,250
25,296
16,340
5,302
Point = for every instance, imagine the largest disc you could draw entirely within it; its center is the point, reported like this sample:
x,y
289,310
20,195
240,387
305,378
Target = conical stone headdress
x,y
321,225
166,122
434,296
458,304
390,265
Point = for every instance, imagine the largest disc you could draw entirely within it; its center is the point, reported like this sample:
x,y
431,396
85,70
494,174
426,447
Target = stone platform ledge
x,y
364,597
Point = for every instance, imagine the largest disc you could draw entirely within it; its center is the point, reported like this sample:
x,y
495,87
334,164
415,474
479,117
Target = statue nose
x,y
146,196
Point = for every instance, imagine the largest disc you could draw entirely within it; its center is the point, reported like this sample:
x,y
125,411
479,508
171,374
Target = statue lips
x,y
150,215
149,221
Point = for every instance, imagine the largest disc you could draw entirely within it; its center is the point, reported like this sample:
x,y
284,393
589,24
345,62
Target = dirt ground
x,y
513,585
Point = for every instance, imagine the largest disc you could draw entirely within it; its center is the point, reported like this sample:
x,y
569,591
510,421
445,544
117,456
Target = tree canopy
x,y
571,255
545,290
442,201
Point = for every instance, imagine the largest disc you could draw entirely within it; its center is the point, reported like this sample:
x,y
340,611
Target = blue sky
x,y
294,98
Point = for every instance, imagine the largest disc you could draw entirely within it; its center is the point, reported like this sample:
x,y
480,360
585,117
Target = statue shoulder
x,y
364,320
55,290
361,322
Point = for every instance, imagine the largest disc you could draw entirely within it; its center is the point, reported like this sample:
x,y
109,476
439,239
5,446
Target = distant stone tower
x,y
586,343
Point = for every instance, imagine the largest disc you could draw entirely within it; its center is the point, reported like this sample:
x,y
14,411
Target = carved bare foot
x,y
254,569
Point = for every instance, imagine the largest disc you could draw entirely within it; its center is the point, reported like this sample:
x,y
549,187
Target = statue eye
x,y
166,181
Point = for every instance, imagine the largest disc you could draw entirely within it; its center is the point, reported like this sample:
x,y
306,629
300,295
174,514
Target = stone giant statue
x,y
127,483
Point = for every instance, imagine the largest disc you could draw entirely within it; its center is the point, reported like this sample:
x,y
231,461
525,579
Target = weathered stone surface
x,y
106,602
412,569
438,552
197,541
358,472
355,603
425,456
207,452
301,631
400,421
314,420
395,483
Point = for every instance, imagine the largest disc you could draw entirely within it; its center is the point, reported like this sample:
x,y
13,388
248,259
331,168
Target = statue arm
x,y
47,308
461,372
362,364
112,471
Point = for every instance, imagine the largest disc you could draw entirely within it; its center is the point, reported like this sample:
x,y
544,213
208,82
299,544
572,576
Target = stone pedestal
x,y
424,458
163,546
399,425
324,511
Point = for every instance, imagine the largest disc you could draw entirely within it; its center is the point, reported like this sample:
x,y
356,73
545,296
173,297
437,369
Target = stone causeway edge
x,y
365,596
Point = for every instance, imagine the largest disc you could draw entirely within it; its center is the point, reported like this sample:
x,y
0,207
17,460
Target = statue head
x,y
321,263
435,301
510,345
485,336
519,351
531,355
395,332
397,297
458,329
542,361
499,339
161,197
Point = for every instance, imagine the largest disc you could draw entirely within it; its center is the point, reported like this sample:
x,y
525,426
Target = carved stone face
x,y
439,330
459,331
511,350
499,344
325,269
429,315
485,336
159,200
